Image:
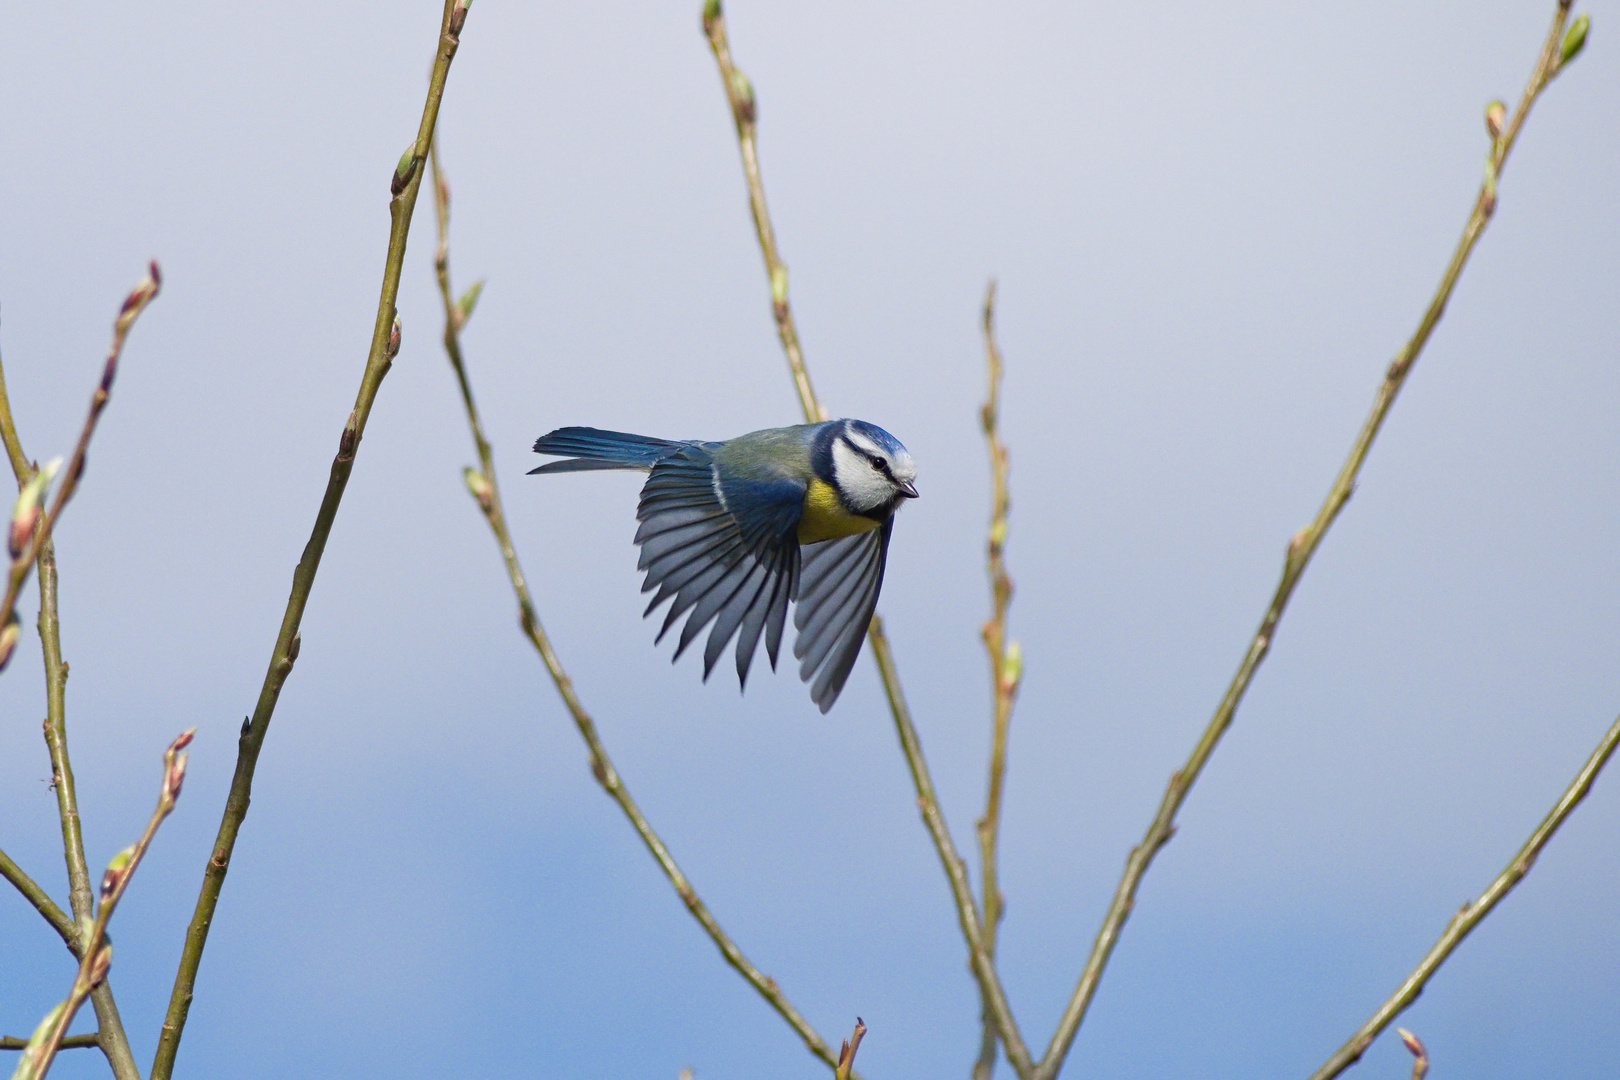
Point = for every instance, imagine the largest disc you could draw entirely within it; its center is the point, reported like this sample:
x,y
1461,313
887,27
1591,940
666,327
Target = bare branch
x,y
1300,549
30,529
31,539
47,1038
70,1042
1470,915
42,902
744,109
846,1052
1006,668
405,184
485,489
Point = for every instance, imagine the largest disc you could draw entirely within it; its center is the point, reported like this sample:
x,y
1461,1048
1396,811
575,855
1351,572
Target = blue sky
x,y
1212,228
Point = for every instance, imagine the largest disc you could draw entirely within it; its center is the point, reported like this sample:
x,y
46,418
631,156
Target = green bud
x,y
25,514
779,284
1496,118
711,13
743,94
405,169
1574,39
477,485
468,301
116,869
28,1067
1012,668
8,639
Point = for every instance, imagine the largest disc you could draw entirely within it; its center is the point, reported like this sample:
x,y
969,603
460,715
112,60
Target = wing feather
x,y
838,594
712,565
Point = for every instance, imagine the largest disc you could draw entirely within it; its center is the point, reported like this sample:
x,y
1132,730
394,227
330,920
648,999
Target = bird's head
x,y
871,470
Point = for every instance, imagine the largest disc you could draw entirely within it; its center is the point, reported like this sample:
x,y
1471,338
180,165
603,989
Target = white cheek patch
x,y
905,470
862,486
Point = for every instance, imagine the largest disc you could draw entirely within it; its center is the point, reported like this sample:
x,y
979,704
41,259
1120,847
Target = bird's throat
x,y
827,518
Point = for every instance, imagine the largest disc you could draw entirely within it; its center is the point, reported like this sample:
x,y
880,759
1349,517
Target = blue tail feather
x,y
593,448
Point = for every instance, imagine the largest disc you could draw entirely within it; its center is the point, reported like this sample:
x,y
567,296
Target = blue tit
x,y
734,530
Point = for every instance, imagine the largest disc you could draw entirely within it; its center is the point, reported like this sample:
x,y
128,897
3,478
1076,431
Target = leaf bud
x,y
100,964
1574,39
408,161
1012,668
116,871
8,640
711,15
394,337
469,300
1496,118
742,92
25,514
174,777
28,1067
479,486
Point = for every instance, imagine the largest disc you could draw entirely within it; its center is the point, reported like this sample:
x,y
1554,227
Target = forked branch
x,y
47,1038
485,489
744,113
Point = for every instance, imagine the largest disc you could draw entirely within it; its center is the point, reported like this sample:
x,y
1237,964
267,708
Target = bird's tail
x,y
593,448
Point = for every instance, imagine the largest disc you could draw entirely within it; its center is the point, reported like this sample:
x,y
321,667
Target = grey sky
x,y
1212,227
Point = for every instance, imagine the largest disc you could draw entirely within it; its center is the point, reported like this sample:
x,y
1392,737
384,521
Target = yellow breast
x,y
825,517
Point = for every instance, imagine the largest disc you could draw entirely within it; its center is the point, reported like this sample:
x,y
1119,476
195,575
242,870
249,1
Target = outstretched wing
x,y
726,553
838,591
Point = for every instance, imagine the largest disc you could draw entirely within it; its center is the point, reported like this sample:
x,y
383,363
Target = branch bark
x,y
1470,915
1300,550
47,1038
740,95
385,341
1006,669
41,552
482,483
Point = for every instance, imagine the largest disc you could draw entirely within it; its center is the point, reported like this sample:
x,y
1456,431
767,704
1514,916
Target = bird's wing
x,y
726,553
838,591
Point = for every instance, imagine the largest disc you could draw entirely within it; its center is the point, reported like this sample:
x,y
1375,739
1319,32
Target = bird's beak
x,y
908,489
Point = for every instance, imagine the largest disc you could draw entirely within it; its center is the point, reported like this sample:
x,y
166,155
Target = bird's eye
x,y
878,463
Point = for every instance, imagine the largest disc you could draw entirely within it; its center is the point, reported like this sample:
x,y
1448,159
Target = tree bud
x,y
115,873
25,514
1574,39
1495,118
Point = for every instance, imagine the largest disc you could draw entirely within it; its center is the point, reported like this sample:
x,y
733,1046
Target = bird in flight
x,y
732,531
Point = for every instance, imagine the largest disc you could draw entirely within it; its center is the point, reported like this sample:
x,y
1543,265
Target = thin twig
x,y
1300,549
740,95
1470,915
23,561
42,902
847,1051
482,483
71,1042
47,1038
385,341
1006,668
740,92
114,1043
31,539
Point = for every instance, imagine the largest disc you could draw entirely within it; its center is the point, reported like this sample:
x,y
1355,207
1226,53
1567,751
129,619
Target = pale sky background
x,y
1212,225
